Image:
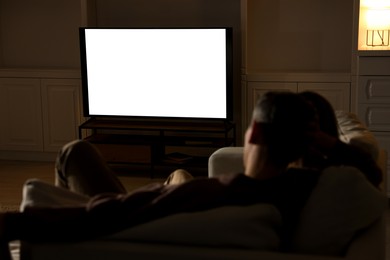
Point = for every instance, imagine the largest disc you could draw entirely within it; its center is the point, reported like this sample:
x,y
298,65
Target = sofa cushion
x,y
226,160
342,204
254,227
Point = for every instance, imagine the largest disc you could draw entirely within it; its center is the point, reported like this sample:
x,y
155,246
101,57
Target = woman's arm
x,y
337,152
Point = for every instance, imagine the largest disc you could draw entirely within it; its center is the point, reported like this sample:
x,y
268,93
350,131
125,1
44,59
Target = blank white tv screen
x,y
179,73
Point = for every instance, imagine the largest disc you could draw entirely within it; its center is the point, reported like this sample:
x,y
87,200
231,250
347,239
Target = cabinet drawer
x,y
376,117
20,115
374,89
374,66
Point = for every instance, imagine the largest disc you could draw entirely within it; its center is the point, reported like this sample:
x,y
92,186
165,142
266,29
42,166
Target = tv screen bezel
x,y
229,75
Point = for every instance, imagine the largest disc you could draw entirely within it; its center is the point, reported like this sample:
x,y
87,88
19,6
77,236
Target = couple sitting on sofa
x,y
286,129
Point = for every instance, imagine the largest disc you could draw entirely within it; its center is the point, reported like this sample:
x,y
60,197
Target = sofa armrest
x,y
226,160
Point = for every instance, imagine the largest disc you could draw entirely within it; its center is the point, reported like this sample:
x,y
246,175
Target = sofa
x,y
343,219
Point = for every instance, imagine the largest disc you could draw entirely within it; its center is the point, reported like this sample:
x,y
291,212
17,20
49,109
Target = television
x,y
171,73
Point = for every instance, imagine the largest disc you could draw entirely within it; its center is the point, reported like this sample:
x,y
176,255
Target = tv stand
x,y
155,143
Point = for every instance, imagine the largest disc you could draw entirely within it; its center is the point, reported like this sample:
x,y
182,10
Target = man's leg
x,y
81,168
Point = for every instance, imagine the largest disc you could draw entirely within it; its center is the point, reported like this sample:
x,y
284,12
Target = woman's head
x,y
326,115
327,122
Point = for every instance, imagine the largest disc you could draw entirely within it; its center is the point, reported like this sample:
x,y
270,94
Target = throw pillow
x,y
342,204
353,131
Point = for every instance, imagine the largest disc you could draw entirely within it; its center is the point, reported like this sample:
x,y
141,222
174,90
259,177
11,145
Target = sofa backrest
x,y
353,131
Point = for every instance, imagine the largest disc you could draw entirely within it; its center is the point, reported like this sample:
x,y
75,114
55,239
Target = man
x,y
281,131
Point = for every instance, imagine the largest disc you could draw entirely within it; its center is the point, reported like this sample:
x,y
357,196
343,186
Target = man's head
x,y
280,124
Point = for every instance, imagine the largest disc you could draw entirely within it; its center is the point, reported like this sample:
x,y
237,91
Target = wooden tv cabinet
x,y
157,143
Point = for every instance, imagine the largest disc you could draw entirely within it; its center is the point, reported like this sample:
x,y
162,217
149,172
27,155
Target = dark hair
x,y
327,122
286,118
326,115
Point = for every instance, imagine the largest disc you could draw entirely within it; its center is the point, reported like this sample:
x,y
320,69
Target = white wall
x,y
39,33
299,35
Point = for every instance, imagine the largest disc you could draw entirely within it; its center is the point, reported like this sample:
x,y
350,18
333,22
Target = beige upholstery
x,y
353,131
226,160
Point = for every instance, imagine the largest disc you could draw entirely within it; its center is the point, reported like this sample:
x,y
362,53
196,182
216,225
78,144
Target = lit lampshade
x,y
375,4
374,24
378,19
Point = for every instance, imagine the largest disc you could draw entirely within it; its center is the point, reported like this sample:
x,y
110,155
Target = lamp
x,y
378,26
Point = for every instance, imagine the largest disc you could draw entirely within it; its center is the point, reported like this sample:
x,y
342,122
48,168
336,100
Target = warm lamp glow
x,y
375,22
375,4
378,19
